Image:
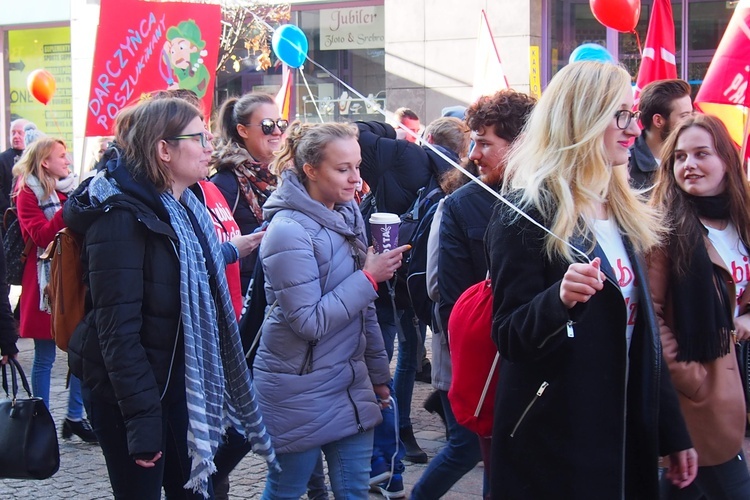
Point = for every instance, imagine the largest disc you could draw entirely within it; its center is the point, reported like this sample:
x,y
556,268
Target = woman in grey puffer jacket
x,y
321,352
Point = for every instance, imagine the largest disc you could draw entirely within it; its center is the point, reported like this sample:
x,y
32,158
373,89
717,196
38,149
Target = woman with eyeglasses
x,y
699,281
250,131
585,402
159,351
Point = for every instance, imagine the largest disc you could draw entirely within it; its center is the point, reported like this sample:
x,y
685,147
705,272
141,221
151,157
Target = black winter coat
x,y
569,422
127,344
394,169
462,262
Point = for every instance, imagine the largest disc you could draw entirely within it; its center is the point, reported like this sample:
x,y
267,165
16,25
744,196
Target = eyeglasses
x,y
625,116
267,125
201,135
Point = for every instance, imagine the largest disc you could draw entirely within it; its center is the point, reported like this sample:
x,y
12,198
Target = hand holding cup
x,y
382,266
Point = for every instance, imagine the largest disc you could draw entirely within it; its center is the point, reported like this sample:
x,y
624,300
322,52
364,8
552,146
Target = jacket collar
x,y
644,159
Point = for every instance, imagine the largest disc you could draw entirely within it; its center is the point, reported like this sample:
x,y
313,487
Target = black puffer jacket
x,y
393,168
128,342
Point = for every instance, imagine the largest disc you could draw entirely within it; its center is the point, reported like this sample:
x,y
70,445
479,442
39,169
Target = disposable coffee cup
x,y
384,228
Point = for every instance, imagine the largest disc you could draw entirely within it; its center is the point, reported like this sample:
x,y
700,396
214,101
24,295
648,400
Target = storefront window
x,y
347,41
47,48
571,23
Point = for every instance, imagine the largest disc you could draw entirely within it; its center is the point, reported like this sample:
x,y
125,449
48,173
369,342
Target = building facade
x,y
393,53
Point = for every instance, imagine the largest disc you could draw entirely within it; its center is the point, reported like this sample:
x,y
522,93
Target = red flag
x,y
284,96
724,92
658,59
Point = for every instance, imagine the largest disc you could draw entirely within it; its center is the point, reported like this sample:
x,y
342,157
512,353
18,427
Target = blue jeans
x,y
233,449
410,338
457,458
41,374
730,481
128,479
348,468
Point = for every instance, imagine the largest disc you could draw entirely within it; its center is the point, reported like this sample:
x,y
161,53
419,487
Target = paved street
x,y
83,475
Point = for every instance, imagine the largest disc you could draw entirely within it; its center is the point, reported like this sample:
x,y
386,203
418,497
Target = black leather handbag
x,y
28,438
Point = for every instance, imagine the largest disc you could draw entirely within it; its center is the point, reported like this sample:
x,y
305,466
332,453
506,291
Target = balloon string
x,y
471,176
304,79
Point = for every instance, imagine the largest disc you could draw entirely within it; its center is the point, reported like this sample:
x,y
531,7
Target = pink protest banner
x,y
146,46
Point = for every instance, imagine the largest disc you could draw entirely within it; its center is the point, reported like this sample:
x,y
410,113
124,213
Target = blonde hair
x,y
451,133
559,163
30,164
305,143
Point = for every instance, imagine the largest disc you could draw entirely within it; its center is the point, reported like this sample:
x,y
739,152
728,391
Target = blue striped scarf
x,y
218,385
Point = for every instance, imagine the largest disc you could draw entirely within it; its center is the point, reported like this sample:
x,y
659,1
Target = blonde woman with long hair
x,y
587,406
44,182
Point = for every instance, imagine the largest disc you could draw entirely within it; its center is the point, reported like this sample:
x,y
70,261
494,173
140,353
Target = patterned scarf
x,y
256,184
218,386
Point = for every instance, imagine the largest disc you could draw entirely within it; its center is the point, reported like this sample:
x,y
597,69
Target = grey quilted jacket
x,y
321,349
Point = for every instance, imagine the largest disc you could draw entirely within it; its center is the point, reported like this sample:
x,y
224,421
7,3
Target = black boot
x,y
81,428
414,453
434,404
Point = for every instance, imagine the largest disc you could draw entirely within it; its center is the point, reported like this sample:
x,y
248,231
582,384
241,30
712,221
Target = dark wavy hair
x,y
506,111
685,225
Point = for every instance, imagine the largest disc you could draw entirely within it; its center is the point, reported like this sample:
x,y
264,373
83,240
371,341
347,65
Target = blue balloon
x,y
289,44
591,52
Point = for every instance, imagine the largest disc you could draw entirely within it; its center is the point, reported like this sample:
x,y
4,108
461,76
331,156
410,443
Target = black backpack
x,y
413,228
416,273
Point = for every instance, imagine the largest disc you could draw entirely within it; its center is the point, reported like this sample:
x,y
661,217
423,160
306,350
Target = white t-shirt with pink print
x,y
609,238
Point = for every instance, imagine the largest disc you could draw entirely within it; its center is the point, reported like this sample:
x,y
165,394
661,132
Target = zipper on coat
x,y
568,326
307,363
360,429
538,394
176,337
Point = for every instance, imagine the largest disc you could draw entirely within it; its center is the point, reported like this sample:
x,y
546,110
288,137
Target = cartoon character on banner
x,y
182,65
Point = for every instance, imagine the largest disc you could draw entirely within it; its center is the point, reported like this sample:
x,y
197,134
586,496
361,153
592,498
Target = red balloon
x,y
620,15
42,85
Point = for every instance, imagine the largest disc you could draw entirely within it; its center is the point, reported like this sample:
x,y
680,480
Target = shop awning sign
x,y
352,28
142,47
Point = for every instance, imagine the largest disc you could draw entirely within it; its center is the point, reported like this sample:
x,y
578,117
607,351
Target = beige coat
x,y
711,394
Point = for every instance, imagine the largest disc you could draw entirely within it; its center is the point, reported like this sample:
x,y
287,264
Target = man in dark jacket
x,y
662,104
395,170
495,122
8,158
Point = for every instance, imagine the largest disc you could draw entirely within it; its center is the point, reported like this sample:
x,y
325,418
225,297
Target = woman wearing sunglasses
x,y
250,131
699,286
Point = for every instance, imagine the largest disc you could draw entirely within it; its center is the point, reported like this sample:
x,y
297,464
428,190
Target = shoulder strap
x,y
237,199
256,340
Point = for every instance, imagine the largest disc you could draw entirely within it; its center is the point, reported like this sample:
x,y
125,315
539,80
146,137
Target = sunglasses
x,y
201,135
267,125
625,116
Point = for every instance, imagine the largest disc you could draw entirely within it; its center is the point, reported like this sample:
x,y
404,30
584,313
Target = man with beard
x,y
495,122
9,158
662,104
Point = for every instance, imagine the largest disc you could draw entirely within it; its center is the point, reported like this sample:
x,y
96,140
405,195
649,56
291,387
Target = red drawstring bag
x,y
474,359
